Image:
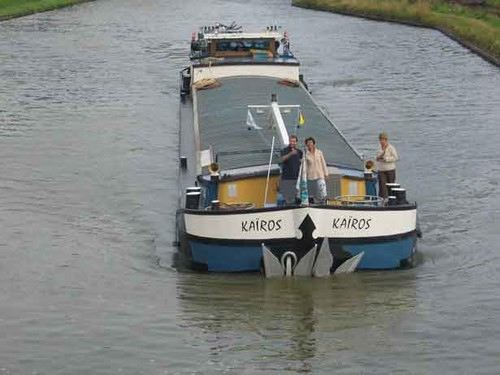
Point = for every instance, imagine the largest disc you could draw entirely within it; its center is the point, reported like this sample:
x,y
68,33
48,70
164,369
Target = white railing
x,y
358,200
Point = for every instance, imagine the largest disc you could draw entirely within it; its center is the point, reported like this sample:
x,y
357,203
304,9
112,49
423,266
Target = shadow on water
x,y
285,323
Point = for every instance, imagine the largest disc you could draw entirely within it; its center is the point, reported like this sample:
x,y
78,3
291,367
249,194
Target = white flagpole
x,y
304,194
269,171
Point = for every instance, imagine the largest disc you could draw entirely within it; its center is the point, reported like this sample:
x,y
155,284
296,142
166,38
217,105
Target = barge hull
x,y
236,256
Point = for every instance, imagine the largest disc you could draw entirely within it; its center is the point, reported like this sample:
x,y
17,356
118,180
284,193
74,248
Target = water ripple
x,y
88,154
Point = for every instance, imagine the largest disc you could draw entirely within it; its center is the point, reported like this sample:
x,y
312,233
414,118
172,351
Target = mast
x,y
283,133
275,110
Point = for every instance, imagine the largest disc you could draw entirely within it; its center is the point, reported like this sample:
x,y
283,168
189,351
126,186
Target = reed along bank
x,y
18,8
477,27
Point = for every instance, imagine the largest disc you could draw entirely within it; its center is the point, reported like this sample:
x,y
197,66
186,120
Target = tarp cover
x,y
222,117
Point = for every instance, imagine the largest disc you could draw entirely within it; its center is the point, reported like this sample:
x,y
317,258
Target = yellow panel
x,y
352,186
249,190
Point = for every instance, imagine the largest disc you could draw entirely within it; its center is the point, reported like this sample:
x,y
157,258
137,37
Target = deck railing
x,y
357,200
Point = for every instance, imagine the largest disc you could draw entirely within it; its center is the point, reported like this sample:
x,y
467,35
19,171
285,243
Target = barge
x,y
241,97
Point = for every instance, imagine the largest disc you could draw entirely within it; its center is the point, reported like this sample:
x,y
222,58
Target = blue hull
x,y
234,257
384,255
226,258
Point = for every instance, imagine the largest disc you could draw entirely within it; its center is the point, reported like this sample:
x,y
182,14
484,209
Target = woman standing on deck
x,y
316,172
386,164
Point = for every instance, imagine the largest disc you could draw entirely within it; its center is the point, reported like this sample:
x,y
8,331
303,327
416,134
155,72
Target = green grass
x,y
18,8
477,27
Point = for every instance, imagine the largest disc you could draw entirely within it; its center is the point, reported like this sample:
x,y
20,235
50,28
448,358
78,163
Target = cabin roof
x,y
222,115
262,35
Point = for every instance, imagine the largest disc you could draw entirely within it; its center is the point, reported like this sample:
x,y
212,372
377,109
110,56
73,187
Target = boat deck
x,y
222,114
264,60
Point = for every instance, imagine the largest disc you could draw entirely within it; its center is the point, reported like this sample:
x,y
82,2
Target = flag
x,y
301,184
251,122
301,120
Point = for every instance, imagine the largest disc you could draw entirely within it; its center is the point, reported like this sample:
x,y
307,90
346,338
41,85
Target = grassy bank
x,y
18,8
477,27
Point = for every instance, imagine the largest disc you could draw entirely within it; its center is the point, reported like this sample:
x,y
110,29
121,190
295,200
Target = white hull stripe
x,y
283,224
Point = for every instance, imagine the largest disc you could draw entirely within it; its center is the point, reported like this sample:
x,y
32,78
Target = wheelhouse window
x,y
242,45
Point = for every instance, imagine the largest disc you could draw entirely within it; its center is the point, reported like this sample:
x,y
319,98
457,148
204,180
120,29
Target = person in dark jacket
x,y
291,158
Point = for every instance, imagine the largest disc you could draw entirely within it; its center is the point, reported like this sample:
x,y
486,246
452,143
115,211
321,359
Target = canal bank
x,y
15,8
476,28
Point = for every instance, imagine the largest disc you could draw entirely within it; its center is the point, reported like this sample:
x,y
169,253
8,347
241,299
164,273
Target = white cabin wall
x,y
277,71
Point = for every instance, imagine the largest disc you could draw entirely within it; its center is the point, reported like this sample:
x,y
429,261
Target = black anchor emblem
x,y
307,241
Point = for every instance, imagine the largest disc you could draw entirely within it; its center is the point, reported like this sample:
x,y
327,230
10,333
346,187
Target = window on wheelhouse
x,y
244,47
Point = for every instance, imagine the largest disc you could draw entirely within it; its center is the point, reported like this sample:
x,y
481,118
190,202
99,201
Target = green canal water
x,y
88,191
